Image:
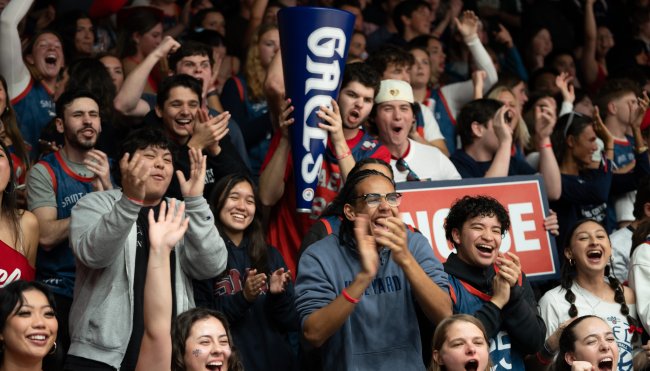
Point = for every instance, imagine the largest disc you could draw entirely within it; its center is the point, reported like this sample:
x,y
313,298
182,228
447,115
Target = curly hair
x,y
253,71
470,207
181,331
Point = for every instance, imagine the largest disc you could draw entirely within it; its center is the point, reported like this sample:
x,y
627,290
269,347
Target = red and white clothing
x,y
14,266
427,162
286,226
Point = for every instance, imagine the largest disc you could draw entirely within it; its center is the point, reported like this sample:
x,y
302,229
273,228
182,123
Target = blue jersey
x,y
35,109
467,299
56,267
445,118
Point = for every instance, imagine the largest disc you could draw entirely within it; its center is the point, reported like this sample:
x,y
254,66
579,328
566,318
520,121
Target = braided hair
x,y
569,272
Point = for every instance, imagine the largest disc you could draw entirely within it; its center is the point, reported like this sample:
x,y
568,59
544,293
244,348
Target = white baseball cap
x,y
391,90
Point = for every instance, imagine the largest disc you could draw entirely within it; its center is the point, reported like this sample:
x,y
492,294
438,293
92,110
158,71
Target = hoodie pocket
x,y
110,322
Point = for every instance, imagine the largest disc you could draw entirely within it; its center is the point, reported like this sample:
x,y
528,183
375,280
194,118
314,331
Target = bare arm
x,y
164,233
589,63
272,178
257,14
127,101
29,230
12,66
274,88
501,161
544,123
51,231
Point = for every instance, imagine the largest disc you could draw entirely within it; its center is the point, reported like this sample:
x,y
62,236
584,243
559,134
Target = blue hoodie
x,y
382,332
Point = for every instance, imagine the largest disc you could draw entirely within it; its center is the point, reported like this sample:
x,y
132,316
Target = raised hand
x,y
134,176
254,285
97,162
169,228
502,129
333,123
509,269
193,186
478,78
503,37
601,130
367,247
551,223
467,25
208,131
582,366
391,233
637,110
545,119
500,291
279,281
284,120
563,82
167,46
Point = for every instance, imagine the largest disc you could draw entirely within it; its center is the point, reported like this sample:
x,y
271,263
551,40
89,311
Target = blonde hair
x,y
253,71
440,336
521,135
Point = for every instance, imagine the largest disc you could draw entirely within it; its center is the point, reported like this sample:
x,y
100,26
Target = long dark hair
x,y
569,272
9,209
10,121
140,20
181,329
567,344
12,298
257,247
570,124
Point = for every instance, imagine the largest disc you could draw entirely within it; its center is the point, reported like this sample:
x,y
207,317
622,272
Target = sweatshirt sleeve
x,y
203,253
423,253
313,288
526,329
12,66
98,227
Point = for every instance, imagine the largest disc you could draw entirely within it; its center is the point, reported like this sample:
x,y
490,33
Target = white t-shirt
x,y
621,245
431,127
554,309
640,282
427,162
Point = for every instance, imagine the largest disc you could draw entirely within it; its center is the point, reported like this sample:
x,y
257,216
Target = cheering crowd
x,y
148,209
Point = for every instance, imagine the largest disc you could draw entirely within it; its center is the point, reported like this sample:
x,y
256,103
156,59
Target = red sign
x,y
425,205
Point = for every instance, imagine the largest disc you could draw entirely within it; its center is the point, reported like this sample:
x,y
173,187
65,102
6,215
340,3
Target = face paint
x,y
196,352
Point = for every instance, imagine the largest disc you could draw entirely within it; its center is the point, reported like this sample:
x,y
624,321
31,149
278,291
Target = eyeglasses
x,y
374,199
411,176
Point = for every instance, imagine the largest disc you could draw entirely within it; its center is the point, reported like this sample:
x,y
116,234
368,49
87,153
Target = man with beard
x,y
347,144
54,186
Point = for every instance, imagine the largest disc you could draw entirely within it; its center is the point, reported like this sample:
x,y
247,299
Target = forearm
x,y
500,162
483,62
12,66
433,300
345,159
127,99
53,232
323,323
271,185
589,64
550,170
155,349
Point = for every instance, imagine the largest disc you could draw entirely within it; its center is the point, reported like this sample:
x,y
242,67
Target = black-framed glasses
x,y
411,176
374,199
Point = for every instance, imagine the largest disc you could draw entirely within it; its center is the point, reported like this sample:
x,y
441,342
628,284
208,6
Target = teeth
x,y
238,216
183,122
215,363
37,337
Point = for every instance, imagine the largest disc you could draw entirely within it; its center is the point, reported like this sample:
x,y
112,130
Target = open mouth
x,y
51,59
38,339
606,364
214,366
484,249
183,122
472,365
594,255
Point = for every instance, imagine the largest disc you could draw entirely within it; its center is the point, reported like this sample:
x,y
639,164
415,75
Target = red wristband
x,y
139,202
543,360
547,145
349,298
346,154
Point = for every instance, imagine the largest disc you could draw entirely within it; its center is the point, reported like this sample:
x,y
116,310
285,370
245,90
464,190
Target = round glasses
x,y
374,199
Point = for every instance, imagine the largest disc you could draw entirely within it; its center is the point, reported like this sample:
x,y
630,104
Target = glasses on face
x,y
374,199
411,176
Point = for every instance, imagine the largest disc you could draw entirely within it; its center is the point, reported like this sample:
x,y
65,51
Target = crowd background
x,y
489,88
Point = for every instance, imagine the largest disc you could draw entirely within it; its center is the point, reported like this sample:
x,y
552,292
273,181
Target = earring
x,y
53,350
572,262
